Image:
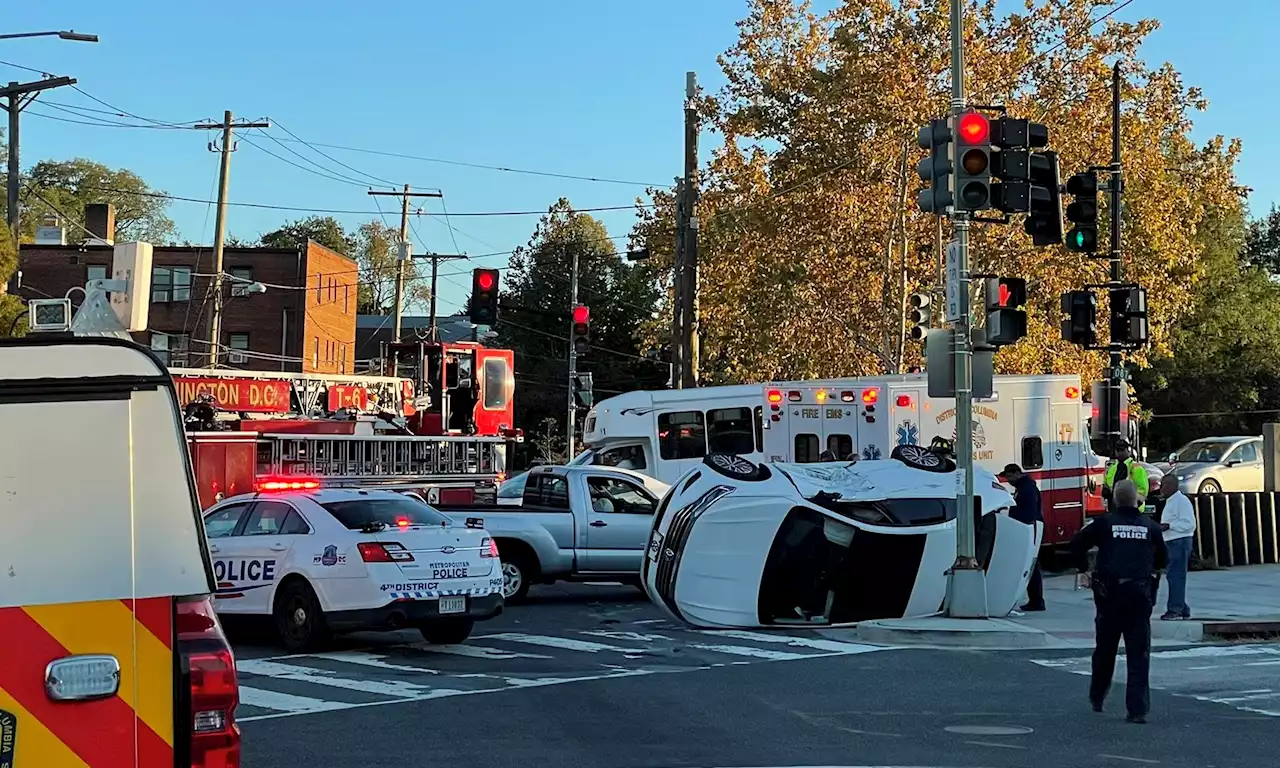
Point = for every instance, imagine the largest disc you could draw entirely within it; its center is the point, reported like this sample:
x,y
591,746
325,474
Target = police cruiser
x,y
321,561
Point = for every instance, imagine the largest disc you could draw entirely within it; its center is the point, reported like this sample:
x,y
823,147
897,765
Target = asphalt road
x,y
594,677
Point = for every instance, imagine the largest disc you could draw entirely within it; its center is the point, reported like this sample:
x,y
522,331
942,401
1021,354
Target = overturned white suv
x,y
740,544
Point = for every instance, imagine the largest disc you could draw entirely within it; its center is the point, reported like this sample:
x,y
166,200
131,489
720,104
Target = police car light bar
x,y
268,485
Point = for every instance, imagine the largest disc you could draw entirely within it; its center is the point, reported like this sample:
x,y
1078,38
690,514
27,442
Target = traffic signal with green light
x,y
1006,298
483,309
1044,223
1082,212
921,315
936,168
1128,307
972,188
1081,324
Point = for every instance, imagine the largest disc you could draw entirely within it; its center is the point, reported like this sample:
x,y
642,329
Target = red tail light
x,y
212,690
379,552
492,551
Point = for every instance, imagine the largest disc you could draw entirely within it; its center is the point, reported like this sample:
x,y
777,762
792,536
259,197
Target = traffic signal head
x,y
972,187
583,397
1081,324
1083,213
1011,164
921,315
581,330
1006,318
1044,223
1128,316
483,309
935,169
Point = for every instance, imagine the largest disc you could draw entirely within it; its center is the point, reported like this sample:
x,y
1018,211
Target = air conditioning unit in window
x,y
237,358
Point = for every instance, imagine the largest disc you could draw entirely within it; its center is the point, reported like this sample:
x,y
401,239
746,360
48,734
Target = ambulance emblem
x,y
871,453
908,434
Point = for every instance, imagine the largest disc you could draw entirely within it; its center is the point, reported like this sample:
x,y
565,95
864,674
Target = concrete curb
x,y
991,634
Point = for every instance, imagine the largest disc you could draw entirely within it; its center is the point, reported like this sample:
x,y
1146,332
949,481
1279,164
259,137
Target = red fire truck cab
x,y
460,388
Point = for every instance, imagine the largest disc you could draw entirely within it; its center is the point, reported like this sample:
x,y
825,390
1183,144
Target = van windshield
x,y
356,514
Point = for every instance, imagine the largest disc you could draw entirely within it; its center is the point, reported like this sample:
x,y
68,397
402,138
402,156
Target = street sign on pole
x,y
954,282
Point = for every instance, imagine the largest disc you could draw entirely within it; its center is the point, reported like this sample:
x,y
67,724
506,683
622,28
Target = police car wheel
x,y
919,457
732,465
447,631
299,619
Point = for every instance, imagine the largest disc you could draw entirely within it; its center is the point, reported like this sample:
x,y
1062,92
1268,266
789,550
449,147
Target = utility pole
x,y
220,223
19,96
677,293
573,359
403,257
1115,370
967,587
690,353
433,333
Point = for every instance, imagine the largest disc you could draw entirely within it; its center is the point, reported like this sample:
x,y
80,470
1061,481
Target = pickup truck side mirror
x,y
1171,458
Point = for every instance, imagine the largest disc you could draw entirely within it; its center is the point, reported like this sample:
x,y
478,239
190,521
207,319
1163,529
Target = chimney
x,y
100,219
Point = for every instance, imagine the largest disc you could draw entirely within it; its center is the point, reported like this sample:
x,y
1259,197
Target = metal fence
x,y
1237,528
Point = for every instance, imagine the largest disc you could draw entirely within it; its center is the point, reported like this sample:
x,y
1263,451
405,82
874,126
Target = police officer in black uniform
x,y
1130,552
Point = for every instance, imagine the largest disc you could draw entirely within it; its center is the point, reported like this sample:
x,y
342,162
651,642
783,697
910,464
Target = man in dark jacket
x,y
1130,551
1026,495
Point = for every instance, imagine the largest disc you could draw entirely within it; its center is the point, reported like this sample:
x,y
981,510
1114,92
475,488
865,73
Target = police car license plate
x,y
453,604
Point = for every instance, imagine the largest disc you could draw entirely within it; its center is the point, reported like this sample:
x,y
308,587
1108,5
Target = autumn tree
x,y
810,241
535,316
64,187
11,307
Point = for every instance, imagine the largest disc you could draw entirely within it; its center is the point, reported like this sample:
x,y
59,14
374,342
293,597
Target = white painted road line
x,y
758,653
476,651
563,643
285,702
831,646
396,688
372,660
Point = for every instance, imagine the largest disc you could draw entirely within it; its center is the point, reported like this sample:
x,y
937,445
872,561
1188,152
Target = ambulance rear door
x,y
904,410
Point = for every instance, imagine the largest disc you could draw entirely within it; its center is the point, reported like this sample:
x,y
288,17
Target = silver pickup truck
x,y
573,524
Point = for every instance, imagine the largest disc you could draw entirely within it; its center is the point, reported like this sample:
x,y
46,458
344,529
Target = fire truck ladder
x,y
382,459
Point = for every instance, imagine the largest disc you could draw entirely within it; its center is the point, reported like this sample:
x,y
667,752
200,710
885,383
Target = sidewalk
x,y
1222,602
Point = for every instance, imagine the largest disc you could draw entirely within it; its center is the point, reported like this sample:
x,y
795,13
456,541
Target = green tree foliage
x,y
373,246
535,315
1262,242
10,306
64,187
1225,352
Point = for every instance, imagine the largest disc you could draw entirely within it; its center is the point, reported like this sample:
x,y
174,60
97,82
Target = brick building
x,y
305,320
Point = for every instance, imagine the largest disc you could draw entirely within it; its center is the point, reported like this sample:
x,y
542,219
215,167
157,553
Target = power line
x,y
287,161
330,157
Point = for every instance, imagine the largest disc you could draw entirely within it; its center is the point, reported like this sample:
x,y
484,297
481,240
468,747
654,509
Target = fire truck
x,y
440,425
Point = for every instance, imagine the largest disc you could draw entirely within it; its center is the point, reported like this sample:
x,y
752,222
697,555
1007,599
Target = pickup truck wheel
x,y
447,631
299,619
516,573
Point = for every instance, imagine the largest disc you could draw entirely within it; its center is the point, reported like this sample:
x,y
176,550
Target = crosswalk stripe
x,y
564,643
759,653
833,646
477,652
296,673
372,660
284,702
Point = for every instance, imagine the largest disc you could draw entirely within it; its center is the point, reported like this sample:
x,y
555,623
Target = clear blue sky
x,y
578,87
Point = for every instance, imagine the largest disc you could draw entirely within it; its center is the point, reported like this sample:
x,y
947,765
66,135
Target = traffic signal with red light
x,y
972,189
1128,307
1083,213
1081,324
483,309
1006,318
581,330
936,168
1044,223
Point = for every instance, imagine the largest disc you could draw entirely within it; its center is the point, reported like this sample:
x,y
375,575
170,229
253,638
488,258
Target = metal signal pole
x,y
967,586
691,351
19,96
1115,372
573,360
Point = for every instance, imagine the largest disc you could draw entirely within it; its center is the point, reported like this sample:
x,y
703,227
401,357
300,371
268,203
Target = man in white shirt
x,y
1178,520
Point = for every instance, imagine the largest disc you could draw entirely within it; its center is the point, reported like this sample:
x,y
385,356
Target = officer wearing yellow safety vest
x,y
1125,467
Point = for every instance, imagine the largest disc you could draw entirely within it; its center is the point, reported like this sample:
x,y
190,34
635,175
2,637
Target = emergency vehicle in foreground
x,y
110,650
1038,422
319,561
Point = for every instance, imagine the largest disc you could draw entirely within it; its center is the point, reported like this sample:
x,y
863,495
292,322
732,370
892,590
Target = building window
x,y
343,369
239,341
319,288
171,348
346,298
170,284
241,278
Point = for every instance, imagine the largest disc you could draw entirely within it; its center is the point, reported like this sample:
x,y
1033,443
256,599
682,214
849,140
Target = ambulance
x,y
1036,422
